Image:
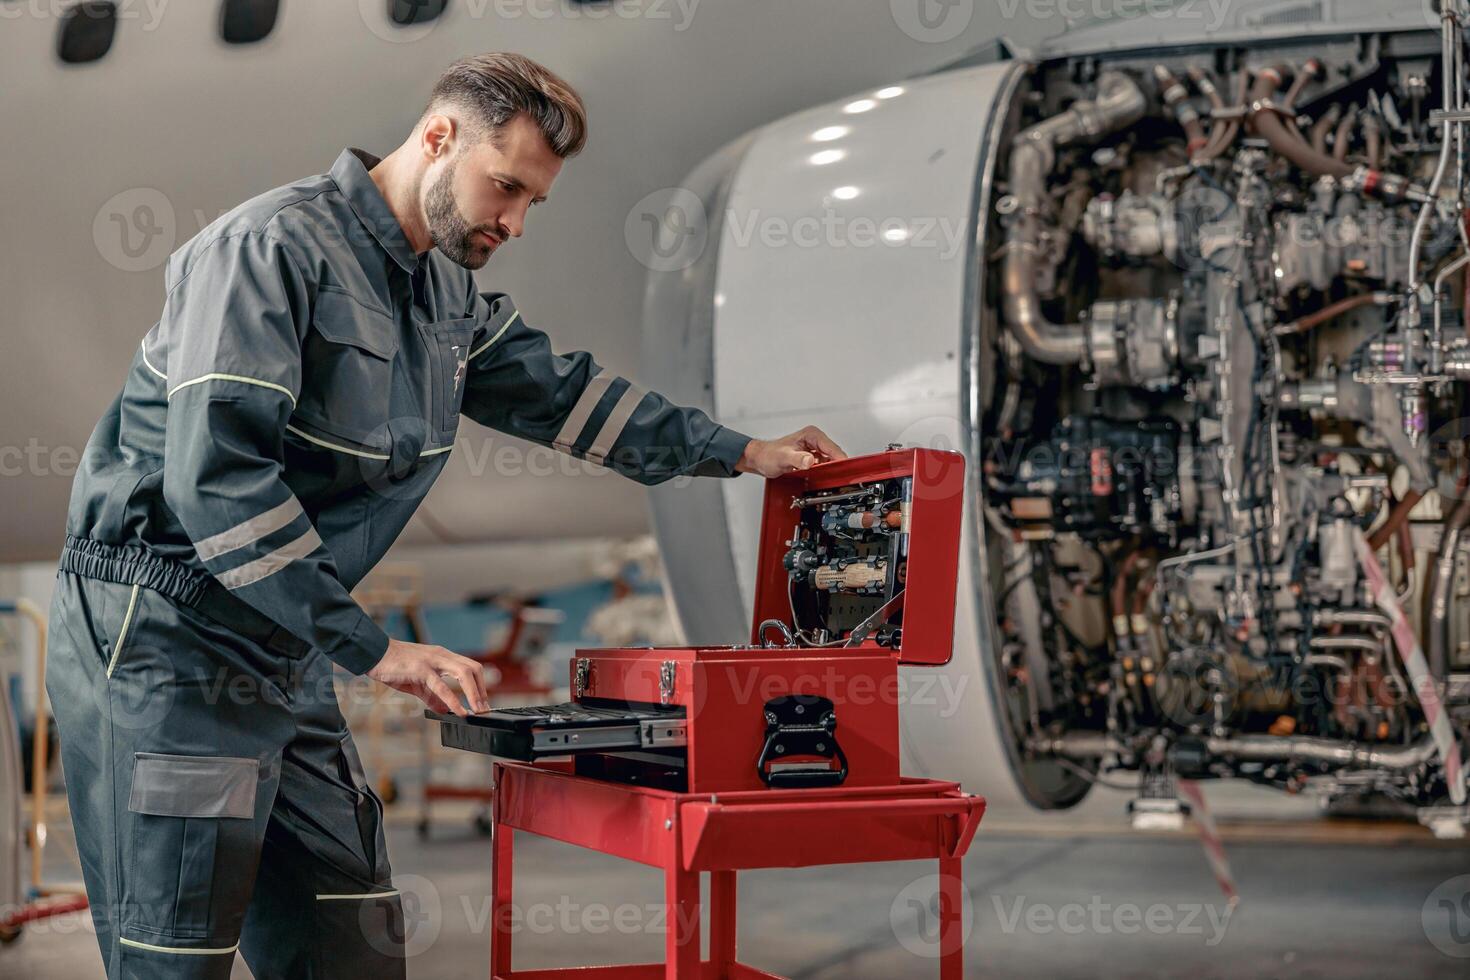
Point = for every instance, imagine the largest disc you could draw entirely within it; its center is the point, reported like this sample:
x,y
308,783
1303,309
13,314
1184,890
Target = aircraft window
x,y
247,21
406,12
86,31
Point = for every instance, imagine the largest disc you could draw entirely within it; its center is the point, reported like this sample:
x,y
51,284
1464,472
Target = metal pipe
x,y
1120,102
1256,748
1441,581
1416,240
1364,643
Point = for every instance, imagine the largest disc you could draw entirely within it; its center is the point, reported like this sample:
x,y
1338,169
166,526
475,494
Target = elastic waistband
x,y
176,581
133,566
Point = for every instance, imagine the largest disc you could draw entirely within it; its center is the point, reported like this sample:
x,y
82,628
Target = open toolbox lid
x,y
876,552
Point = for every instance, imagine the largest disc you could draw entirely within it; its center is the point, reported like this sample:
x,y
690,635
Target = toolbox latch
x,y
582,677
801,726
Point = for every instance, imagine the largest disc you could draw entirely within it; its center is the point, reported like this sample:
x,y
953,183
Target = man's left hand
x,y
798,451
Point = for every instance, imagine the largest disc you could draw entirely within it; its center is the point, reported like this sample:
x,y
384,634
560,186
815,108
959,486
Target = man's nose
x,y
514,222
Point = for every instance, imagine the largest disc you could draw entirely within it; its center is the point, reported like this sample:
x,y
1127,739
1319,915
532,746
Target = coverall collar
x,y
351,174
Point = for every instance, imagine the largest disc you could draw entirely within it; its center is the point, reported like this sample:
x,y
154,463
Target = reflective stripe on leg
x,y
178,950
336,898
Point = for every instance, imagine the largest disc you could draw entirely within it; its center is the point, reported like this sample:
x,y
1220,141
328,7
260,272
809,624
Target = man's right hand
x,y
420,669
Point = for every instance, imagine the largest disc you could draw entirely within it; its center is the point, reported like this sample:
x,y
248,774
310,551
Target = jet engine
x,y
1195,312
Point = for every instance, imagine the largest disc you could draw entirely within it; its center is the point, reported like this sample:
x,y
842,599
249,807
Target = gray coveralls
x,y
278,427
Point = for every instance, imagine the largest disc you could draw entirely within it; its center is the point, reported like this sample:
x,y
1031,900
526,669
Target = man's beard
x,y
448,230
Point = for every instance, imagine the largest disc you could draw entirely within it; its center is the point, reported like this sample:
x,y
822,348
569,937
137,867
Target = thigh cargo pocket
x,y
194,845
368,809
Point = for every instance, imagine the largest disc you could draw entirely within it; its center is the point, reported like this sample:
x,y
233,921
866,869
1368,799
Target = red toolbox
x,y
783,752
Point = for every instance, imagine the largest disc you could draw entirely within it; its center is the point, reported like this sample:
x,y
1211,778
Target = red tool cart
x,y
779,753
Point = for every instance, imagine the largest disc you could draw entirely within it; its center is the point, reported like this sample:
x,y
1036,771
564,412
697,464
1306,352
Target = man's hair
x,y
489,90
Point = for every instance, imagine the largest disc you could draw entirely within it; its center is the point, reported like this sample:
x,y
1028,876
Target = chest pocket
x,y
448,343
348,383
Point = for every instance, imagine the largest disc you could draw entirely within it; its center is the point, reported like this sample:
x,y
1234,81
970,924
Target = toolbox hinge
x,y
668,675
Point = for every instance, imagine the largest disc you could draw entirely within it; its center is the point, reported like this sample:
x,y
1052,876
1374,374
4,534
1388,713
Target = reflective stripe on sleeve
x,y
235,377
251,531
351,898
143,349
582,411
486,345
252,572
613,425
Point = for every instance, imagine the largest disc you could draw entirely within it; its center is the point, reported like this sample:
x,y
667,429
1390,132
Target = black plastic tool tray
x,y
526,734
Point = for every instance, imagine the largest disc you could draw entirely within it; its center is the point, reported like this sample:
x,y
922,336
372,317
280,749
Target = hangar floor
x,y
1058,896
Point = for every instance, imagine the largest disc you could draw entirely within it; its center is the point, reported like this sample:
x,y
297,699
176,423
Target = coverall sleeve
x,y
517,384
234,322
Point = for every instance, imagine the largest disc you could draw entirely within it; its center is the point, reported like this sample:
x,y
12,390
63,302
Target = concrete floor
x,y
1060,896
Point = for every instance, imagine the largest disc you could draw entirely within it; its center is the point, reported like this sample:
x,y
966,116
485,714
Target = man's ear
x,y
437,138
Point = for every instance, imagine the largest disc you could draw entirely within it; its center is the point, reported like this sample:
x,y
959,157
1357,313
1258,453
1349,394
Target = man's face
x,y
481,192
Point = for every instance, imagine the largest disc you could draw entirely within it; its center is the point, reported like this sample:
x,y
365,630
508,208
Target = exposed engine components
x,y
846,560
1099,478
1225,457
1132,226
864,576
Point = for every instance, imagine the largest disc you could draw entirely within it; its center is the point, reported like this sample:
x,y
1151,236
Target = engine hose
x,y
1342,137
1232,127
1323,126
1206,84
1372,140
1397,515
1311,69
1332,311
1173,93
1265,120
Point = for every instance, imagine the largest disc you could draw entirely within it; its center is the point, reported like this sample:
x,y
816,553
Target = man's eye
x,y
506,187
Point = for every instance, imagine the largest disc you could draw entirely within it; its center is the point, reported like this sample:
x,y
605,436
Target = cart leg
x,y
951,919
681,945
501,876
722,917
